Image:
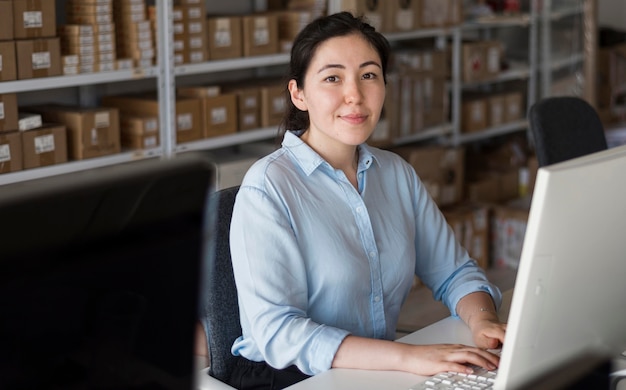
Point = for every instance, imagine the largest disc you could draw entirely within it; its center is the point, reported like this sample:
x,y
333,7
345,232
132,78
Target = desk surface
x,y
448,330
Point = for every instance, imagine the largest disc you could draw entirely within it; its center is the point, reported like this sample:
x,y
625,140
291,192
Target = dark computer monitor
x,y
99,276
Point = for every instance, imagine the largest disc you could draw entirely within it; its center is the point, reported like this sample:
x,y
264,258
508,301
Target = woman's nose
x,y
353,92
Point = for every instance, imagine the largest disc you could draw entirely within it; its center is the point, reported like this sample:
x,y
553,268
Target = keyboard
x,y
480,379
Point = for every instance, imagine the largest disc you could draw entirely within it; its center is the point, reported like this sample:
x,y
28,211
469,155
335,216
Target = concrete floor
x,y
420,309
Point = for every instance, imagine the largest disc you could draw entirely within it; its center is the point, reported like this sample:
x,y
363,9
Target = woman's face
x,y
343,92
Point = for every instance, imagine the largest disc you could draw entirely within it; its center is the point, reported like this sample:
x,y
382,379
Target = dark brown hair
x,y
305,45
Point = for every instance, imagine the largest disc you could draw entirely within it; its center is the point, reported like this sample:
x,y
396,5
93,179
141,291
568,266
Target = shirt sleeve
x,y
271,281
442,263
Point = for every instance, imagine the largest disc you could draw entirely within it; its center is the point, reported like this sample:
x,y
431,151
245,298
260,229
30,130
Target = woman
x,y
328,232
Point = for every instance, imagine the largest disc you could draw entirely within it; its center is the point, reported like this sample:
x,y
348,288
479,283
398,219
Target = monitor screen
x,y
99,276
570,290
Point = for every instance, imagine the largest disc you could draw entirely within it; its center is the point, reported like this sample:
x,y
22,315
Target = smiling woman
x,y
328,232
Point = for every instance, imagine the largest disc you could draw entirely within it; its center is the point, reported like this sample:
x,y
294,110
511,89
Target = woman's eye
x,y
370,75
332,79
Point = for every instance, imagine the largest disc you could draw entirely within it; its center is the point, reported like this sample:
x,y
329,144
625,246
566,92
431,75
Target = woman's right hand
x,y
432,359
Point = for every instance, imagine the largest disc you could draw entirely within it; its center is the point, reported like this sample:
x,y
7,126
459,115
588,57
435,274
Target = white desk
x,y
448,330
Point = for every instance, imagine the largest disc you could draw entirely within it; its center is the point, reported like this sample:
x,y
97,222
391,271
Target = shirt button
x,y
376,299
359,209
372,254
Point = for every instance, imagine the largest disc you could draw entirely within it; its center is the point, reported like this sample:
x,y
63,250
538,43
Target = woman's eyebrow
x,y
339,66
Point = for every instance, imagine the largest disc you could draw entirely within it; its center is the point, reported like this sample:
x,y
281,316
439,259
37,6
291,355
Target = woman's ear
x,y
297,96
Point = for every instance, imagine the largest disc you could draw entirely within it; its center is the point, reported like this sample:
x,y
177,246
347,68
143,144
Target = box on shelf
x,y
403,15
474,114
6,27
8,112
38,58
273,104
139,132
224,35
473,61
28,121
34,19
44,146
493,56
470,223
375,12
260,35
248,106
513,106
441,170
188,112
10,152
494,186
8,62
91,132
495,110
508,227
219,115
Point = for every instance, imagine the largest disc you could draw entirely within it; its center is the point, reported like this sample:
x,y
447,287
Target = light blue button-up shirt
x,y
316,260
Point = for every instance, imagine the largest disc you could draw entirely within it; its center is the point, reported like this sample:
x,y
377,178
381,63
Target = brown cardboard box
x,y
473,61
273,105
441,170
514,106
6,27
8,112
473,114
44,146
8,69
188,112
224,37
139,132
34,19
248,105
435,13
219,115
494,186
38,58
375,12
495,110
508,226
470,223
91,132
403,15
493,56
260,35
10,152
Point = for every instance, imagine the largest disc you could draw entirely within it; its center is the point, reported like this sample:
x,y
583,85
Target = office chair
x,y
564,128
221,307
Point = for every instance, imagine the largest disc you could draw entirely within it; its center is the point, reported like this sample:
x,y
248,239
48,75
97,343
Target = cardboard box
x,y
219,115
260,35
493,57
139,132
435,13
473,61
224,37
273,105
474,114
91,132
495,186
8,112
6,27
44,146
441,170
8,62
508,227
514,106
248,108
470,223
496,108
34,19
375,12
188,113
403,15
10,152
38,58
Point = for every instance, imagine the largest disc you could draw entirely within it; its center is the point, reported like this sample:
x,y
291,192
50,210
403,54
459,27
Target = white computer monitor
x,y
570,292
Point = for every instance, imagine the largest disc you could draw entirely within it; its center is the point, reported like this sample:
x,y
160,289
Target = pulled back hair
x,y
307,42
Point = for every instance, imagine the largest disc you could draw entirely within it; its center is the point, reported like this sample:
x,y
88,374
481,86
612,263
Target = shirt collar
x,y
309,160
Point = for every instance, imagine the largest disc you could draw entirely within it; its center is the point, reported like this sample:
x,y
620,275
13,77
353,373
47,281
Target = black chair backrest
x,y
564,128
222,308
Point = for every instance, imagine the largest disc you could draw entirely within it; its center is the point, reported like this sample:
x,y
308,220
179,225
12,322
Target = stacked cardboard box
x,y
38,52
190,35
89,33
188,112
219,110
224,37
134,34
470,223
416,97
